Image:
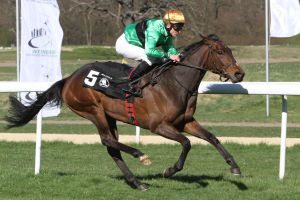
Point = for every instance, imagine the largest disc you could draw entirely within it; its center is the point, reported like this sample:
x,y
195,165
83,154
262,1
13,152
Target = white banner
x,y
285,18
41,39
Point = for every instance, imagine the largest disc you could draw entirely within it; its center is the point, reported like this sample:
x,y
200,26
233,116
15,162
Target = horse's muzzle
x,y
235,73
236,77
239,76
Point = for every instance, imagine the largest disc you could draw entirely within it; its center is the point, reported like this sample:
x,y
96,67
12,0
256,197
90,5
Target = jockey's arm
x,y
171,51
168,47
150,46
151,49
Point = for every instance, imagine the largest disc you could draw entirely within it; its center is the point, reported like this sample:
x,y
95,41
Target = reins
x,y
158,70
192,66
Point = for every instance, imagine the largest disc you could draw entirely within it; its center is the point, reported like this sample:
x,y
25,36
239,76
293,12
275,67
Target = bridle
x,y
212,52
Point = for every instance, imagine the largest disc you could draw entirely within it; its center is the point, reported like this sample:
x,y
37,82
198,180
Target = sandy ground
x,y
94,138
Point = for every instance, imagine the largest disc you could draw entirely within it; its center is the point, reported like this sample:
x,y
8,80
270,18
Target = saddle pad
x,y
108,77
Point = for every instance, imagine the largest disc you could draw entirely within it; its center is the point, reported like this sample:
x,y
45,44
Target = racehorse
x,y
166,108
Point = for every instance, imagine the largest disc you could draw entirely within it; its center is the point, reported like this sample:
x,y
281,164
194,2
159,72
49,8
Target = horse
x,y
166,107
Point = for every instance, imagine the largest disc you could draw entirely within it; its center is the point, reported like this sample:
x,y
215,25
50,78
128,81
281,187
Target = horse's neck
x,y
185,79
190,77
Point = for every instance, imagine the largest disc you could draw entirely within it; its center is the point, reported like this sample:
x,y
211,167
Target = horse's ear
x,y
202,36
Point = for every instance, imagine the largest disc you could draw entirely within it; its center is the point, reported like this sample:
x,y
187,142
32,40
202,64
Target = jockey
x,y
140,41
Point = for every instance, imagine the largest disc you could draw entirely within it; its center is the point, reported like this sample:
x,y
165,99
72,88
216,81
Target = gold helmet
x,y
174,16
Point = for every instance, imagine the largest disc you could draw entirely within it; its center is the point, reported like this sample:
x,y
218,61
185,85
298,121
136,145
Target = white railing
x,y
251,88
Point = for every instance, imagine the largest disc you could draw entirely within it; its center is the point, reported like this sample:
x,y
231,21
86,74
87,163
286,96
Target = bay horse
x,y
166,109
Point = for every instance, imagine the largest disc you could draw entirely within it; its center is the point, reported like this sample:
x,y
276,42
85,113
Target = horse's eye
x,y
220,52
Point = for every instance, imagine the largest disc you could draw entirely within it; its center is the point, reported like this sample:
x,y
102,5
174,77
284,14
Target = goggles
x,y
178,26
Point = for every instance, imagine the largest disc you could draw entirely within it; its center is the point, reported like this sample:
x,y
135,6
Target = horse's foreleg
x,y
168,131
195,129
130,178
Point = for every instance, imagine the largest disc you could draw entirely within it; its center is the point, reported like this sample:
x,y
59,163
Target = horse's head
x,y
220,59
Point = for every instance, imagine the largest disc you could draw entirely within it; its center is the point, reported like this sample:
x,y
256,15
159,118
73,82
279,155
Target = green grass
x,y
8,55
8,74
233,108
278,72
276,52
90,53
73,53
87,172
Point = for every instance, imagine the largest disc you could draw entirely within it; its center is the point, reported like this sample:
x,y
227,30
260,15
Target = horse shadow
x,y
201,180
221,88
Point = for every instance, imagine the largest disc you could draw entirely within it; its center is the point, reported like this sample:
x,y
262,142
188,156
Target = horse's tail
x,y
19,115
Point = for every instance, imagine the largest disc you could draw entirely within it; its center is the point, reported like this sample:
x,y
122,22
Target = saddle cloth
x,y
108,77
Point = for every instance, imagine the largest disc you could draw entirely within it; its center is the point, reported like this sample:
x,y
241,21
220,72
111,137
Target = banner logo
x,y
40,37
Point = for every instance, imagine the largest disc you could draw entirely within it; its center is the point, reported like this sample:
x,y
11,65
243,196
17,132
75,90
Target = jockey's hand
x,y
175,58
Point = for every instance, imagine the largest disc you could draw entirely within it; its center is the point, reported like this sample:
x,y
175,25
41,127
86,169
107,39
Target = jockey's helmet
x,y
174,16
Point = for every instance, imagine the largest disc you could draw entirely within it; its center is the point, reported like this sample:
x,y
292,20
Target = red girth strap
x,y
129,107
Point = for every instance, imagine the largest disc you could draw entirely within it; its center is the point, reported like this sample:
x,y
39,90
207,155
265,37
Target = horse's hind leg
x,y
144,159
107,129
195,129
130,178
109,138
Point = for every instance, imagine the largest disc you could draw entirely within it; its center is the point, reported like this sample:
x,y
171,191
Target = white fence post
x,y
137,134
38,143
283,137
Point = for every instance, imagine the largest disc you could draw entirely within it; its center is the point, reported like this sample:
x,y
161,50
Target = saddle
x,y
108,77
111,78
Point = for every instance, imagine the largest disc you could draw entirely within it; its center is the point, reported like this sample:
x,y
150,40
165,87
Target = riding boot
x,y
138,72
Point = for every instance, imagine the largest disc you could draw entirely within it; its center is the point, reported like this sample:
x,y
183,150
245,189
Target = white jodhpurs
x,y
131,51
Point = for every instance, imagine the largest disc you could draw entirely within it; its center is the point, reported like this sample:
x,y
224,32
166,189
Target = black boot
x,y
138,72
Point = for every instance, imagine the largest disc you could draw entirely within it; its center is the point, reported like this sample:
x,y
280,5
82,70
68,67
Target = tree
x,y
122,11
7,23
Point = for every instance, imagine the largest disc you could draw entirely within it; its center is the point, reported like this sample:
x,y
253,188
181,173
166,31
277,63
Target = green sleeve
x,y
152,38
169,47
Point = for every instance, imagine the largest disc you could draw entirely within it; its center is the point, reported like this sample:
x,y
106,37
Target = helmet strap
x,y
169,29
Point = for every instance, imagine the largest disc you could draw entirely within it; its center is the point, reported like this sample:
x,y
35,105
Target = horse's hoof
x,y
145,160
142,187
167,173
236,171
164,174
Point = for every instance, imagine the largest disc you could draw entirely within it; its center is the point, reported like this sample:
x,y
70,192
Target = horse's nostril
x,y
239,75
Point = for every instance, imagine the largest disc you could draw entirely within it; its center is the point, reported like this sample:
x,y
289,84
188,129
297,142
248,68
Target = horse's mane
x,y
195,45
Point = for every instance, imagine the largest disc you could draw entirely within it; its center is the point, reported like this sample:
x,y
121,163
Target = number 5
x,y
91,78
